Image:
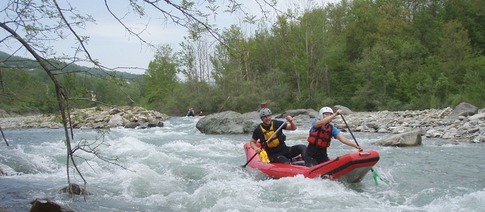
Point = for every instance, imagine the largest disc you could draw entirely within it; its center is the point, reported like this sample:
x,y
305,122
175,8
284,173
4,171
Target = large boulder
x,y
228,122
345,110
463,109
410,138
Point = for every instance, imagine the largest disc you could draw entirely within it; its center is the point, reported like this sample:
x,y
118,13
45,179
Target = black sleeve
x,y
257,133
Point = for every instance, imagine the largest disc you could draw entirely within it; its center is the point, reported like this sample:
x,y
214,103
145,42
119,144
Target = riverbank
x,y
95,118
464,123
434,123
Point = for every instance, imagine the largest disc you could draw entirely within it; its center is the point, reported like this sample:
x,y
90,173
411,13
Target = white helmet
x,y
265,112
324,110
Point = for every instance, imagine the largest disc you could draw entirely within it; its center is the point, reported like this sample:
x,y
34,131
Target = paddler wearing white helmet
x,y
320,135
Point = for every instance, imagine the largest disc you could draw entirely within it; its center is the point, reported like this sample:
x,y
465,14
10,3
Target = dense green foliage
x,y
26,88
366,54
161,80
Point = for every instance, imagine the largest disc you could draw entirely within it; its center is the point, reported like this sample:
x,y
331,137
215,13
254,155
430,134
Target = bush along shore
x,y
464,123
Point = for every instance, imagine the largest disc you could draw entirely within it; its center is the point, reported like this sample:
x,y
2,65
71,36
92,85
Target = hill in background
x,y
9,61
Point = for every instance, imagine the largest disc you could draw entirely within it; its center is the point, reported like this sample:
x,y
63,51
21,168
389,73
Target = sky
x,y
114,47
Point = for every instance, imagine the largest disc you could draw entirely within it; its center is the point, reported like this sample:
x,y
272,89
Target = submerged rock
x,y
45,205
75,189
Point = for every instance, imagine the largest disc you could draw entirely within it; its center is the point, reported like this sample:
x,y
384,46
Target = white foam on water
x,y
179,169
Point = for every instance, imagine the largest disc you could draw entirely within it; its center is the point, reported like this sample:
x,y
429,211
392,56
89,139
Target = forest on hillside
x,y
365,54
26,88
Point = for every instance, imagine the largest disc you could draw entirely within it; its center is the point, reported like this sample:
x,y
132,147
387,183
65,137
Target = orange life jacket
x,y
322,136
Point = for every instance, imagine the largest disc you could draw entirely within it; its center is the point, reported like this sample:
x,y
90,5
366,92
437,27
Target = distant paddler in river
x,y
190,112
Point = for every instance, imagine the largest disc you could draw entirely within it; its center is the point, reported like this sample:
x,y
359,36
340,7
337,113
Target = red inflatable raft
x,y
350,167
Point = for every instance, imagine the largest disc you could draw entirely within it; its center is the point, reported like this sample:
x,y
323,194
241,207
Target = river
x,y
177,168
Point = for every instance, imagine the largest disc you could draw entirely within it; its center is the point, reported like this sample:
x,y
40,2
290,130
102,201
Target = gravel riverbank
x,y
464,123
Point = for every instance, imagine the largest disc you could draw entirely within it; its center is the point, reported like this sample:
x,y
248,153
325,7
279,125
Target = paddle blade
x,y
263,157
375,176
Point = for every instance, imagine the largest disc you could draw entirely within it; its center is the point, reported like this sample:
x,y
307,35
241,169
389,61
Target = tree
x,y
161,79
475,84
195,59
469,14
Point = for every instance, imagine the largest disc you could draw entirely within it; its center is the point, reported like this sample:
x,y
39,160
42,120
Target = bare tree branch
x,y
137,35
60,92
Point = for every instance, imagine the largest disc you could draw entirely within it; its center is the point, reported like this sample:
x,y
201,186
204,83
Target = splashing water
x,y
177,168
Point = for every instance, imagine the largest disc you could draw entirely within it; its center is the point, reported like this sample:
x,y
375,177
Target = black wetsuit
x,y
281,153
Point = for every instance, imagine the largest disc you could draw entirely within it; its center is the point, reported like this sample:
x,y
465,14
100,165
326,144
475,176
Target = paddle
x,y
269,139
3,135
374,174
